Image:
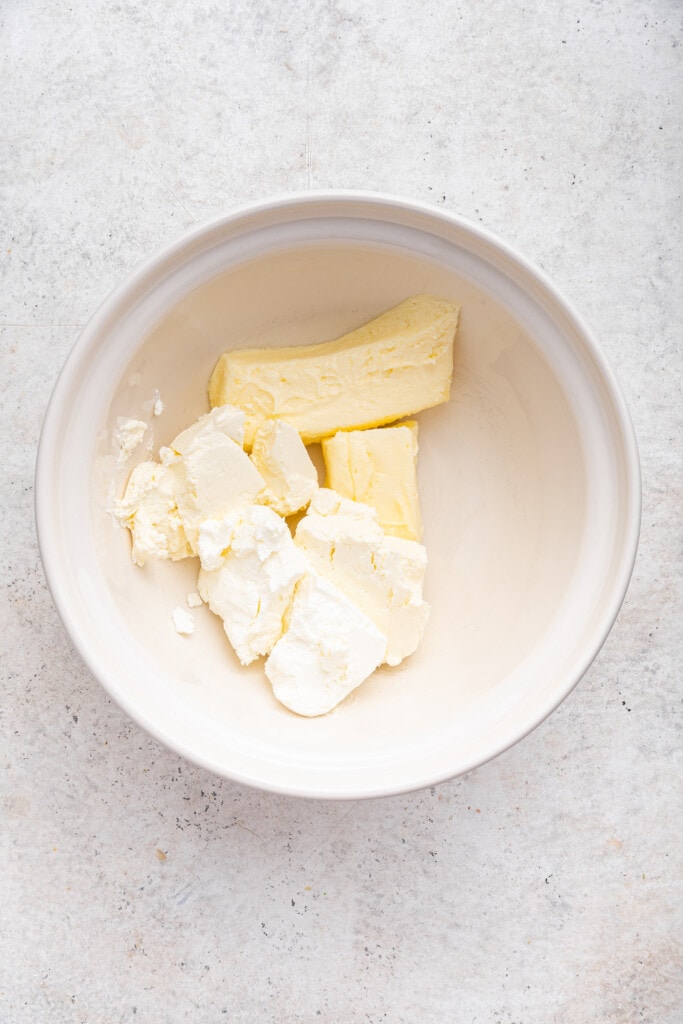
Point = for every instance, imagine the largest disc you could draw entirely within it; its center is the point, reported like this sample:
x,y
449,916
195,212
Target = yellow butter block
x,y
393,366
378,467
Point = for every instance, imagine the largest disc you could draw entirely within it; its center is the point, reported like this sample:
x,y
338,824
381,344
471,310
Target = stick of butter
x,y
393,366
378,467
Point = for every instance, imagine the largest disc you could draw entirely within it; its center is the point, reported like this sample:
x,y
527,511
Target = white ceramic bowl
x,y
529,484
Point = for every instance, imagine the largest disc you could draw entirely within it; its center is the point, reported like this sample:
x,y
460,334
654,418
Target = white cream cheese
x,y
329,648
326,608
128,436
183,622
149,508
203,473
218,477
281,458
382,575
225,419
250,567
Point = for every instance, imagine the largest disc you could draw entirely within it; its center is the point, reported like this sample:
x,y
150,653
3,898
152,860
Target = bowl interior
x,y
521,482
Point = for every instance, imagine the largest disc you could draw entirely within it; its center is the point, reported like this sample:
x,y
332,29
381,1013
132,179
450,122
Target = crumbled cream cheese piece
x,y
225,419
218,477
382,575
249,569
183,622
281,458
393,366
128,436
149,508
203,473
378,467
158,406
329,648
194,601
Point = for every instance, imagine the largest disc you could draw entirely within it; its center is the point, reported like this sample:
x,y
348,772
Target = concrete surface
x,y
544,887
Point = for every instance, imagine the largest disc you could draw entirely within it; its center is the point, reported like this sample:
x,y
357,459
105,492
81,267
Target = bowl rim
x,y
87,341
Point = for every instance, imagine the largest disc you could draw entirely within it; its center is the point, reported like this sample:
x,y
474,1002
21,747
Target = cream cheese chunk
x,y
281,458
128,436
249,569
217,473
149,508
378,467
329,648
218,477
393,366
203,473
382,575
224,419
183,622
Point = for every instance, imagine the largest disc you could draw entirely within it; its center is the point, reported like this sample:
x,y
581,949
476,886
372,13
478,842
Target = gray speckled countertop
x,y
543,888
